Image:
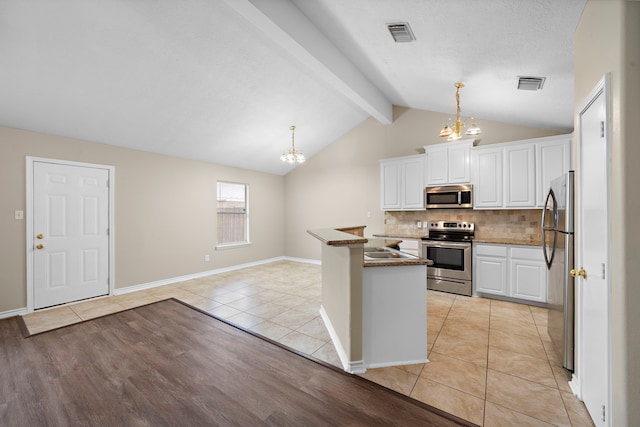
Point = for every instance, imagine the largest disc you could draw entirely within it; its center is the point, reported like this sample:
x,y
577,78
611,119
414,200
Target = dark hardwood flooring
x,y
168,364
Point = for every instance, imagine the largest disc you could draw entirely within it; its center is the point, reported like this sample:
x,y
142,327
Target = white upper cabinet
x,y
390,181
449,163
402,183
553,158
487,178
437,160
519,176
413,183
516,175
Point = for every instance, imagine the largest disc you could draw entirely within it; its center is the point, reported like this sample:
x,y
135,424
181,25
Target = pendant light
x,y
453,132
292,156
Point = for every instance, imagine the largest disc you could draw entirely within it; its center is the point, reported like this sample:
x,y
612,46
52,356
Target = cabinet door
x,y
528,280
413,183
487,178
437,166
519,176
459,164
491,275
553,158
390,182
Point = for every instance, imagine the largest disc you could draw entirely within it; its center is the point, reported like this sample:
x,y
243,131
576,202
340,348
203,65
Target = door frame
x,y
603,87
30,161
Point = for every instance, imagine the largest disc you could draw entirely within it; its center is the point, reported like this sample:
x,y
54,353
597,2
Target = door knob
x,y
577,273
39,246
40,236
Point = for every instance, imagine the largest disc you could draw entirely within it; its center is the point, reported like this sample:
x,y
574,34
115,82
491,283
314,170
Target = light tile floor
x,y
491,361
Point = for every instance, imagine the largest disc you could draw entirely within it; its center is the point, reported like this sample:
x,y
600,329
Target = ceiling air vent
x,y
530,83
401,32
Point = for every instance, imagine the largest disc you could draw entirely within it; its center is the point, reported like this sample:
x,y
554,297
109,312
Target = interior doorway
x,y
69,231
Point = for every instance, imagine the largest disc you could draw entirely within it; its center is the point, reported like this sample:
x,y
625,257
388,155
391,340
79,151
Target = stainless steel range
x,y
448,245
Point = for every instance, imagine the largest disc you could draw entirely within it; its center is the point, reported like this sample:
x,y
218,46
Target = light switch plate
x,y
19,214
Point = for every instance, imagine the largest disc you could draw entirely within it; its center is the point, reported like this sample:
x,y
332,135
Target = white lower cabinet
x,y
490,269
510,271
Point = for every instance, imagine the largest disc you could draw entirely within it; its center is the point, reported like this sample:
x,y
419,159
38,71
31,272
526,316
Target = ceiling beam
x,y
286,25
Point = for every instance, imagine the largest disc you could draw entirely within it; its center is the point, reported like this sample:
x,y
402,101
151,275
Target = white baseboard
x,y
354,367
574,385
305,260
12,313
385,365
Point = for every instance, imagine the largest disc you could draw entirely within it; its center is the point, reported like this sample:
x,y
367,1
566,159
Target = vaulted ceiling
x,y
222,81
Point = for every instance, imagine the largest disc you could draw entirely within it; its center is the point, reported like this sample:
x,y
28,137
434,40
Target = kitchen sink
x,y
384,255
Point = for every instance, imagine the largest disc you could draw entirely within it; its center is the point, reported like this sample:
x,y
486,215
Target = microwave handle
x,y
459,197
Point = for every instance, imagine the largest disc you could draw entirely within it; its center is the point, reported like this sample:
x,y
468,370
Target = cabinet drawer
x,y
533,253
491,250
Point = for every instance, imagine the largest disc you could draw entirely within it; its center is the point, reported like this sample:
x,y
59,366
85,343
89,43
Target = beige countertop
x,y
334,237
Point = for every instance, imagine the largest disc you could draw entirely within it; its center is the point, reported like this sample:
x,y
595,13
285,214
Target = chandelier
x,y
292,156
453,132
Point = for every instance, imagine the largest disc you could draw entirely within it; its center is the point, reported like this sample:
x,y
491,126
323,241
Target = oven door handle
x,y
448,245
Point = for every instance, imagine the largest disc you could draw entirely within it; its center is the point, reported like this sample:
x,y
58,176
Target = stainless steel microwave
x,y
449,197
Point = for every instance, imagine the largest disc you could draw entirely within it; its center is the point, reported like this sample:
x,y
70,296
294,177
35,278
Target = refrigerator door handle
x,y
548,259
550,202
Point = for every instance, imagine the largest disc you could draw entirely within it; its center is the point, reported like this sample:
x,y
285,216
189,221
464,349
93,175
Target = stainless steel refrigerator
x,y
557,244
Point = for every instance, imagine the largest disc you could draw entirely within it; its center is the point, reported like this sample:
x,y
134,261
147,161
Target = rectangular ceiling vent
x,y
530,83
401,32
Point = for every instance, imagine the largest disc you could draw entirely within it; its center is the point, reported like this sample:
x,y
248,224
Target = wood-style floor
x,y
169,364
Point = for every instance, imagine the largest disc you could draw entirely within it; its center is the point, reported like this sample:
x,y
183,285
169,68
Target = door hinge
x,y
603,271
601,129
604,418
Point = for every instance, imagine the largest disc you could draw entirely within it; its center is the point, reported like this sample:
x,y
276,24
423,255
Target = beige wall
x,y
165,211
607,40
340,186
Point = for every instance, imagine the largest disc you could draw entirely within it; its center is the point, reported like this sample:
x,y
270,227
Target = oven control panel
x,y
451,225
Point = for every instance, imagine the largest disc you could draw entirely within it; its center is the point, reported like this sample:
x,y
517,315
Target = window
x,y
233,224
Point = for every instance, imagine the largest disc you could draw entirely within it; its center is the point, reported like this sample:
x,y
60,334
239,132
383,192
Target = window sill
x,y
232,246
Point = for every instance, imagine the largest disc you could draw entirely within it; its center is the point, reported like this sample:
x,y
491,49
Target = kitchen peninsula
x,y
374,301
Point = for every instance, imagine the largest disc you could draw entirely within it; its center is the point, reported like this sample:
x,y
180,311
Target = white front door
x,y
593,258
70,214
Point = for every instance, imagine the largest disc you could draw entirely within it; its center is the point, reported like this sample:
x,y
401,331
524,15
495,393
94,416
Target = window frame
x,y
238,244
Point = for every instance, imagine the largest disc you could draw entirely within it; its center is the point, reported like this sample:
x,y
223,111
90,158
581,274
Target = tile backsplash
x,y
516,225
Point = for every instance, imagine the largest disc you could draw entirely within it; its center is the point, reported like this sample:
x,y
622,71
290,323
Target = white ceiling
x,y
222,81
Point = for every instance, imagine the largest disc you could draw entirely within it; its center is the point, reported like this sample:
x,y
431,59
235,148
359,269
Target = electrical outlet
x,y
206,258
418,224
